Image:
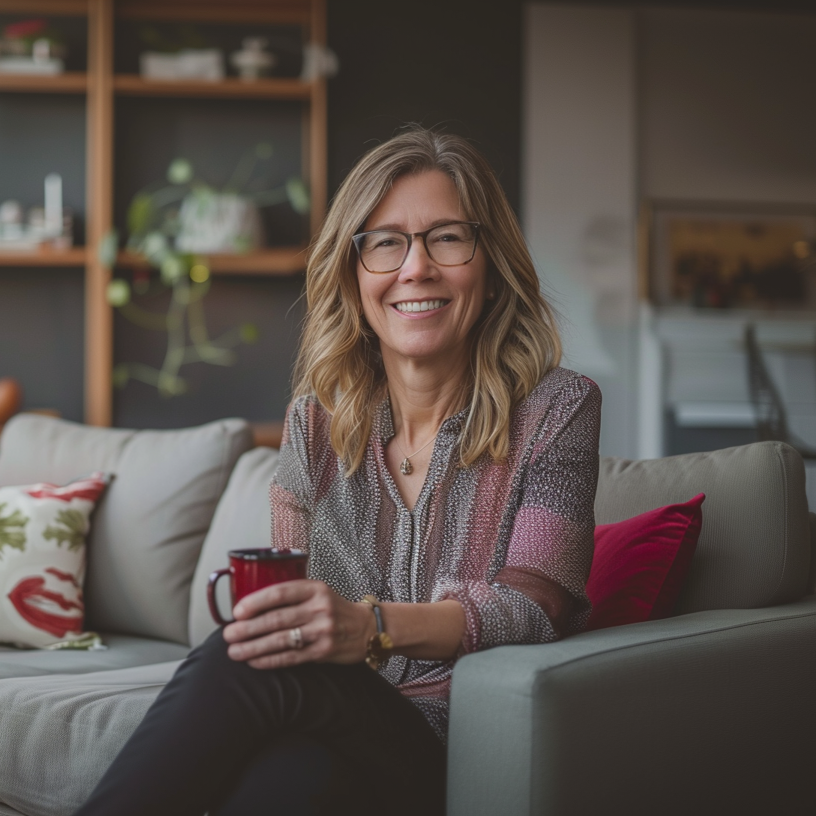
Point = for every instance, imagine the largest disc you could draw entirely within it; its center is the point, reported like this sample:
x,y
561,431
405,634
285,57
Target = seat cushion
x,y
754,547
124,651
241,520
148,528
59,733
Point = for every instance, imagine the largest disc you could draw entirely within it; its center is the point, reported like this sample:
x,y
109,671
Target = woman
x,y
435,460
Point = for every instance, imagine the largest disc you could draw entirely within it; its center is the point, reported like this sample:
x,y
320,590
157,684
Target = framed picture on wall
x,y
728,255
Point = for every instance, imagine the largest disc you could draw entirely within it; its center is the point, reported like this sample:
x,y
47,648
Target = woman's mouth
x,y
416,306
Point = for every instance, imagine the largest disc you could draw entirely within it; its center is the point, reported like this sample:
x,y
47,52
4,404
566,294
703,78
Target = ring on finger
x,y
296,638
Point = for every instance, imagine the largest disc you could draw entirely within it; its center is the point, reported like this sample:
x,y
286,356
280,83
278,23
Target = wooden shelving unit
x,y
76,256
272,261
134,85
69,82
102,87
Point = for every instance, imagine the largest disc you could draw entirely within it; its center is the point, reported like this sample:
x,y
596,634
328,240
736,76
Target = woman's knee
x,y
210,659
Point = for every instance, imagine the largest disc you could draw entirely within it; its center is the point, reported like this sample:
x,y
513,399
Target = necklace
x,y
406,468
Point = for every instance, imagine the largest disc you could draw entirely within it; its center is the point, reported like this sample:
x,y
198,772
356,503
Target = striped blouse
x,y
512,542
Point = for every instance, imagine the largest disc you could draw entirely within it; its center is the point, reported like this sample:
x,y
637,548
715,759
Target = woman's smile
x,y
420,308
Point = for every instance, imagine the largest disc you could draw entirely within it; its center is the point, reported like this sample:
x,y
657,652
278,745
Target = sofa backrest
x,y
754,548
242,519
148,529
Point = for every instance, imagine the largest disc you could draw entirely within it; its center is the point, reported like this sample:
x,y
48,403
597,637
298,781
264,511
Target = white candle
x,y
53,205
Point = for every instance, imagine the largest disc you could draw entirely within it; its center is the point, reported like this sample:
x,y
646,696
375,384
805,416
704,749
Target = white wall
x,y
578,193
622,105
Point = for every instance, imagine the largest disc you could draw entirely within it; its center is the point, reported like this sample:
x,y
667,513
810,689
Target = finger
x,y
291,657
285,594
270,644
273,621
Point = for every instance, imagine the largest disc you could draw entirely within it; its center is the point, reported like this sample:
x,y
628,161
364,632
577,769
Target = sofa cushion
x,y
640,564
43,528
150,524
241,520
122,652
59,733
754,548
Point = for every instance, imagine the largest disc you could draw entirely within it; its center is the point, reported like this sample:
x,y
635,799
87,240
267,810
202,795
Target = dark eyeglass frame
x,y
360,237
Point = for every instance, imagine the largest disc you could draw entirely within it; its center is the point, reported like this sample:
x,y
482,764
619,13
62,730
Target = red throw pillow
x,y
640,564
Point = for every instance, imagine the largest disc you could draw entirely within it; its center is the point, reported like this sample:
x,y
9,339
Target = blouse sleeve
x,y
290,492
539,594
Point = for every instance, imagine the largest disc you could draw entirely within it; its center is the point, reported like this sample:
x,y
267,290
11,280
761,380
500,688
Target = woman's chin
x,y
426,353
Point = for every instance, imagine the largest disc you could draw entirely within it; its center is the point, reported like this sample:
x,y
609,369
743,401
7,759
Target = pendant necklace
x,y
406,468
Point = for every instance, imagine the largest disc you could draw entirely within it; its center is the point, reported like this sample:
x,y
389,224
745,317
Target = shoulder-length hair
x,y
515,342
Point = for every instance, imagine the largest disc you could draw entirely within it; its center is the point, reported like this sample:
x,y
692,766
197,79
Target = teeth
x,y
419,305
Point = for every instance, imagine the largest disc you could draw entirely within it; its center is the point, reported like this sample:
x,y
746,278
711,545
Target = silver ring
x,y
296,638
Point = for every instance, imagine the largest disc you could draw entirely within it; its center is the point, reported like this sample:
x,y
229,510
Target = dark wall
x,y
453,64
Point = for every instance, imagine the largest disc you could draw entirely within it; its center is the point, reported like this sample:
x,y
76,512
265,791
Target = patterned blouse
x,y
512,542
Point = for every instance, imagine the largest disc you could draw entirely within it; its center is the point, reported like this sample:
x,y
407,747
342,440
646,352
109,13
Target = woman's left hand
x,y
333,629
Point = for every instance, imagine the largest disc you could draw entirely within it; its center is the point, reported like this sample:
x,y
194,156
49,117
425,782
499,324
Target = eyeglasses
x,y
450,244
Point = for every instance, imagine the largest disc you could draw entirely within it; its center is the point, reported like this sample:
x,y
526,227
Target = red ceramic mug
x,y
250,570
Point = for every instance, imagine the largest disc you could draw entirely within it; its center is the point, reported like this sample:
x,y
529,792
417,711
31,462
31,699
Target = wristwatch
x,y
380,645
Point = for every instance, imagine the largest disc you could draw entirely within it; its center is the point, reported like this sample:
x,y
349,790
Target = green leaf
x,y
180,171
118,292
121,375
108,247
71,531
140,214
12,532
172,268
298,195
155,247
249,333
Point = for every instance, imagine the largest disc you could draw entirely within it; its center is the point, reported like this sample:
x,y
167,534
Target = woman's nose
x,y
418,265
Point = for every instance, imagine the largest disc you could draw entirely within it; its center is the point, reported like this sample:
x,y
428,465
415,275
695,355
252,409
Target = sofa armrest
x,y
711,712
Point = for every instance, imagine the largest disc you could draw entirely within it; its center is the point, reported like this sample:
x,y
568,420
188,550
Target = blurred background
x,y
164,165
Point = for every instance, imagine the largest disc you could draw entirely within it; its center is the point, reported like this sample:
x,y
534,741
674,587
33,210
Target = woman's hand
x,y
334,630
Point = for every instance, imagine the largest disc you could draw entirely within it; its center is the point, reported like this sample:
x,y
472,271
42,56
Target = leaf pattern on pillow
x,y
12,529
72,529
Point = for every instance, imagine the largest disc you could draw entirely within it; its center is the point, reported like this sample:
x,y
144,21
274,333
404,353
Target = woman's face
x,y
455,294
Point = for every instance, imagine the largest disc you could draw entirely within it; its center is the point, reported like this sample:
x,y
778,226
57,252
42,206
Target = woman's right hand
x,y
333,629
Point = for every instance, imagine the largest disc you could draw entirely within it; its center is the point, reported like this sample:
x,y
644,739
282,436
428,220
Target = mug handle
x,y
211,582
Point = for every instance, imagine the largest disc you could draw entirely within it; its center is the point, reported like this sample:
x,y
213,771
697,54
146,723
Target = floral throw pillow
x,y
42,561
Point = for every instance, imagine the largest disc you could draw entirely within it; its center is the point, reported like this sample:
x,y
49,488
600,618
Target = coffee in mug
x,y
254,569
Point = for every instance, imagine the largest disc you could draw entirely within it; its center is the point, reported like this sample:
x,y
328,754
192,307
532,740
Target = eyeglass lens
x,y
447,244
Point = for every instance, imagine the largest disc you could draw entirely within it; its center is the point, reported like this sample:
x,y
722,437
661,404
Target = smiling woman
x,y
438,467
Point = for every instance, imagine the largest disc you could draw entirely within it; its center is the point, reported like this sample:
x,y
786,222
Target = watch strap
x,y
380,645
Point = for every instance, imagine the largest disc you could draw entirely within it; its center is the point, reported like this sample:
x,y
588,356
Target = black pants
x,y
320,738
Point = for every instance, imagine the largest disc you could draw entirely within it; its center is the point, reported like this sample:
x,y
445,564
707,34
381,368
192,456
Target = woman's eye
x,y
447,238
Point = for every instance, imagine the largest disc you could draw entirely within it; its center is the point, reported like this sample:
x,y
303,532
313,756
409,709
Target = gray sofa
x,y
711,711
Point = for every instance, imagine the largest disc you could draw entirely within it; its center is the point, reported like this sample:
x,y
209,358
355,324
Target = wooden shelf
x,y
272,261
282,12
76,256
267,434
69,82
135,85
62,8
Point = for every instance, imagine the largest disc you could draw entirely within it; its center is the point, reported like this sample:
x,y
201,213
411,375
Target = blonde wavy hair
x,y
515,342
